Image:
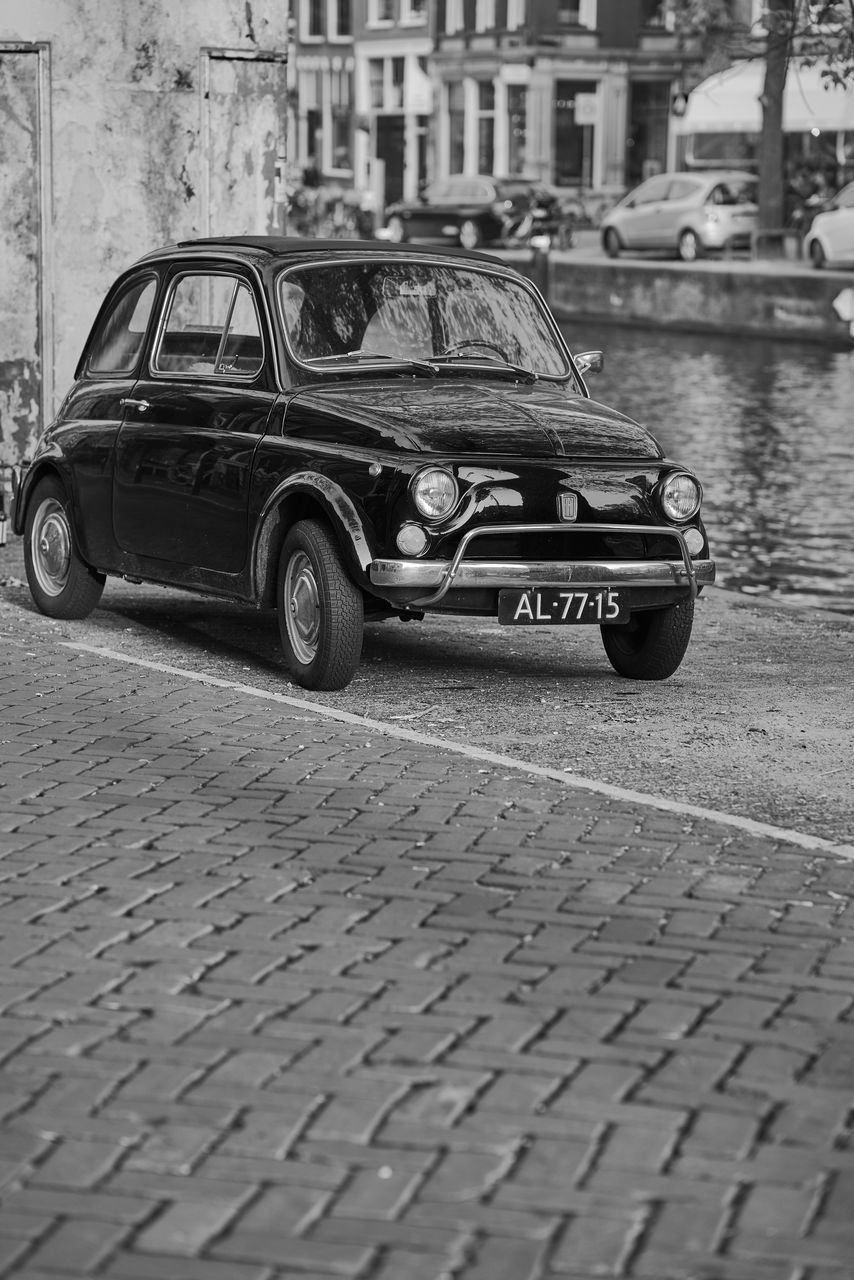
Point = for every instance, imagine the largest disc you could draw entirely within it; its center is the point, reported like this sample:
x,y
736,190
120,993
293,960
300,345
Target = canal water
x,y
769,429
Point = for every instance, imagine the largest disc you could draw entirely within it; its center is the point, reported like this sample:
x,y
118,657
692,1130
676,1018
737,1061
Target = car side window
x,y
211,328
117,344
681,189
845,199
653,191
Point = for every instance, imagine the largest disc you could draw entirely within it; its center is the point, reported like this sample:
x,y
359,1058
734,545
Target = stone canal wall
x,y
770,299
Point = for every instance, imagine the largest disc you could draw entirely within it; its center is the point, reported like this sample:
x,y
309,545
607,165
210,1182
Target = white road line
x,y
747,825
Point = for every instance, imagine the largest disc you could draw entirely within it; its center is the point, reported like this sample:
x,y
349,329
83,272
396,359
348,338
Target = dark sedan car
x,y
463,209
339,431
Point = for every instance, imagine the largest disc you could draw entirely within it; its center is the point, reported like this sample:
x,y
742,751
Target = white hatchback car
x,y
686,213
831,235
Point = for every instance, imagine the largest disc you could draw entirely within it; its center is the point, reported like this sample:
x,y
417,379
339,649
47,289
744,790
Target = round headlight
x,y
680,496
435,493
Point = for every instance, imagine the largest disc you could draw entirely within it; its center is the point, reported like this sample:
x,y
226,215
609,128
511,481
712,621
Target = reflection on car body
x,y
690,214
341,431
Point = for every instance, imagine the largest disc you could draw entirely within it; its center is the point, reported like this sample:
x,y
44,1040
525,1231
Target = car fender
x,y
340,511
49,462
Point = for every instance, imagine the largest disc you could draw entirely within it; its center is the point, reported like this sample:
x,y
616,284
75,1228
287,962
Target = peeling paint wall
x,y
124,125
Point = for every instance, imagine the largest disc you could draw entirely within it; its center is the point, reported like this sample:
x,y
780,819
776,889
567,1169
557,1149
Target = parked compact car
x,y
830,238
690,214
342,432
462,210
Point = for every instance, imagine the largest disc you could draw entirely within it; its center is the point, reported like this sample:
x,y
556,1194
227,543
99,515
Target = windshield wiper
x,y
497,366
410,362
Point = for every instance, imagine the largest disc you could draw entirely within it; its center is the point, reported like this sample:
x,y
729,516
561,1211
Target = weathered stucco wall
x,y
123,126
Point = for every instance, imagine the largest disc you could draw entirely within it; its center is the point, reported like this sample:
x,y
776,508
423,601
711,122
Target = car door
x,y
92,413
642,227
840,230
185,448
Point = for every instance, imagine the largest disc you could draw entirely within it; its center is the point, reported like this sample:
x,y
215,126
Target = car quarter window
x,y
211,328
118,341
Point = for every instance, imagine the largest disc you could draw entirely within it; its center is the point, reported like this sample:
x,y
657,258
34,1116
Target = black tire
x,y
817,257
611,243
61,583
652,644
321,611
396,230
690,246
471,236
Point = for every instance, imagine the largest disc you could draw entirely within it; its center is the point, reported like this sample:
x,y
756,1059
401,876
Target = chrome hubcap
x,y
51,547
302,607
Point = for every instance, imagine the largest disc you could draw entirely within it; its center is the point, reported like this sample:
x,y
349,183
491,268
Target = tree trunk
x,y
771,176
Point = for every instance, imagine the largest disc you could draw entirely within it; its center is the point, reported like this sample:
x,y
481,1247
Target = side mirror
x,y
590,362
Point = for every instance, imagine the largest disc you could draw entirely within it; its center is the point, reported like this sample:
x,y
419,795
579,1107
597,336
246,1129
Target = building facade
x,y
576,93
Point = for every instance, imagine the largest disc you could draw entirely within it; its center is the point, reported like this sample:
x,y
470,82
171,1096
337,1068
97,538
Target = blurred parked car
x,y
463,209
340,431
831,236
690,214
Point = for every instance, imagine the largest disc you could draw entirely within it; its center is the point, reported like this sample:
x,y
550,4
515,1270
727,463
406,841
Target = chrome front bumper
x,y
421,575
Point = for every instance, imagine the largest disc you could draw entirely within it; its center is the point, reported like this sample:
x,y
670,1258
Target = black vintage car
x,y
340,431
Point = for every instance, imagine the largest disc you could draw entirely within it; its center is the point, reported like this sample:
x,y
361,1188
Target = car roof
x,y
264,249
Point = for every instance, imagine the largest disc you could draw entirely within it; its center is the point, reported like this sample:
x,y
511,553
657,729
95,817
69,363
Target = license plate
x,y
557,606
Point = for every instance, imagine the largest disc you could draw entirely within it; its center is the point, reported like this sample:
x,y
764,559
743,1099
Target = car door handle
x,y
128,403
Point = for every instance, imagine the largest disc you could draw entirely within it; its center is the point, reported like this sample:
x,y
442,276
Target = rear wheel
x,y
611,243
470,235
653,642
396,230
690,246
321,612
817,257
61,583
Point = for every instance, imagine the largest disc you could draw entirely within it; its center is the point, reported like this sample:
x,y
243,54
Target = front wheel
x,y
816,255
61,583
651,645
321,612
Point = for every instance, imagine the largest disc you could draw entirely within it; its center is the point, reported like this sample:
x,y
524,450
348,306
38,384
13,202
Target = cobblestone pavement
x,y
282,998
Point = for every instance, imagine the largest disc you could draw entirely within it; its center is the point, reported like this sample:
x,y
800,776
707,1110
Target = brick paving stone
x,y
284,997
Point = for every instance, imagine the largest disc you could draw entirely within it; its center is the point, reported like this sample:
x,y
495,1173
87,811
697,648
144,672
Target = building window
x,y
485,126
515,14
573,149
577,13
414,12
453,17
398,71
456,128
343,18
484,19
380,12
314,19
517,132
375,82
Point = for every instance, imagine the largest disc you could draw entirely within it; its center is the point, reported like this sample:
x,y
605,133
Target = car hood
x,y
450,415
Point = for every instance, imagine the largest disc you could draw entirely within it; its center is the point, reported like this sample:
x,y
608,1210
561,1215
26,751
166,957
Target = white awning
x,y
729,102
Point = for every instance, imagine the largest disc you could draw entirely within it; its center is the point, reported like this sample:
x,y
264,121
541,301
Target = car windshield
x,y
355,312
